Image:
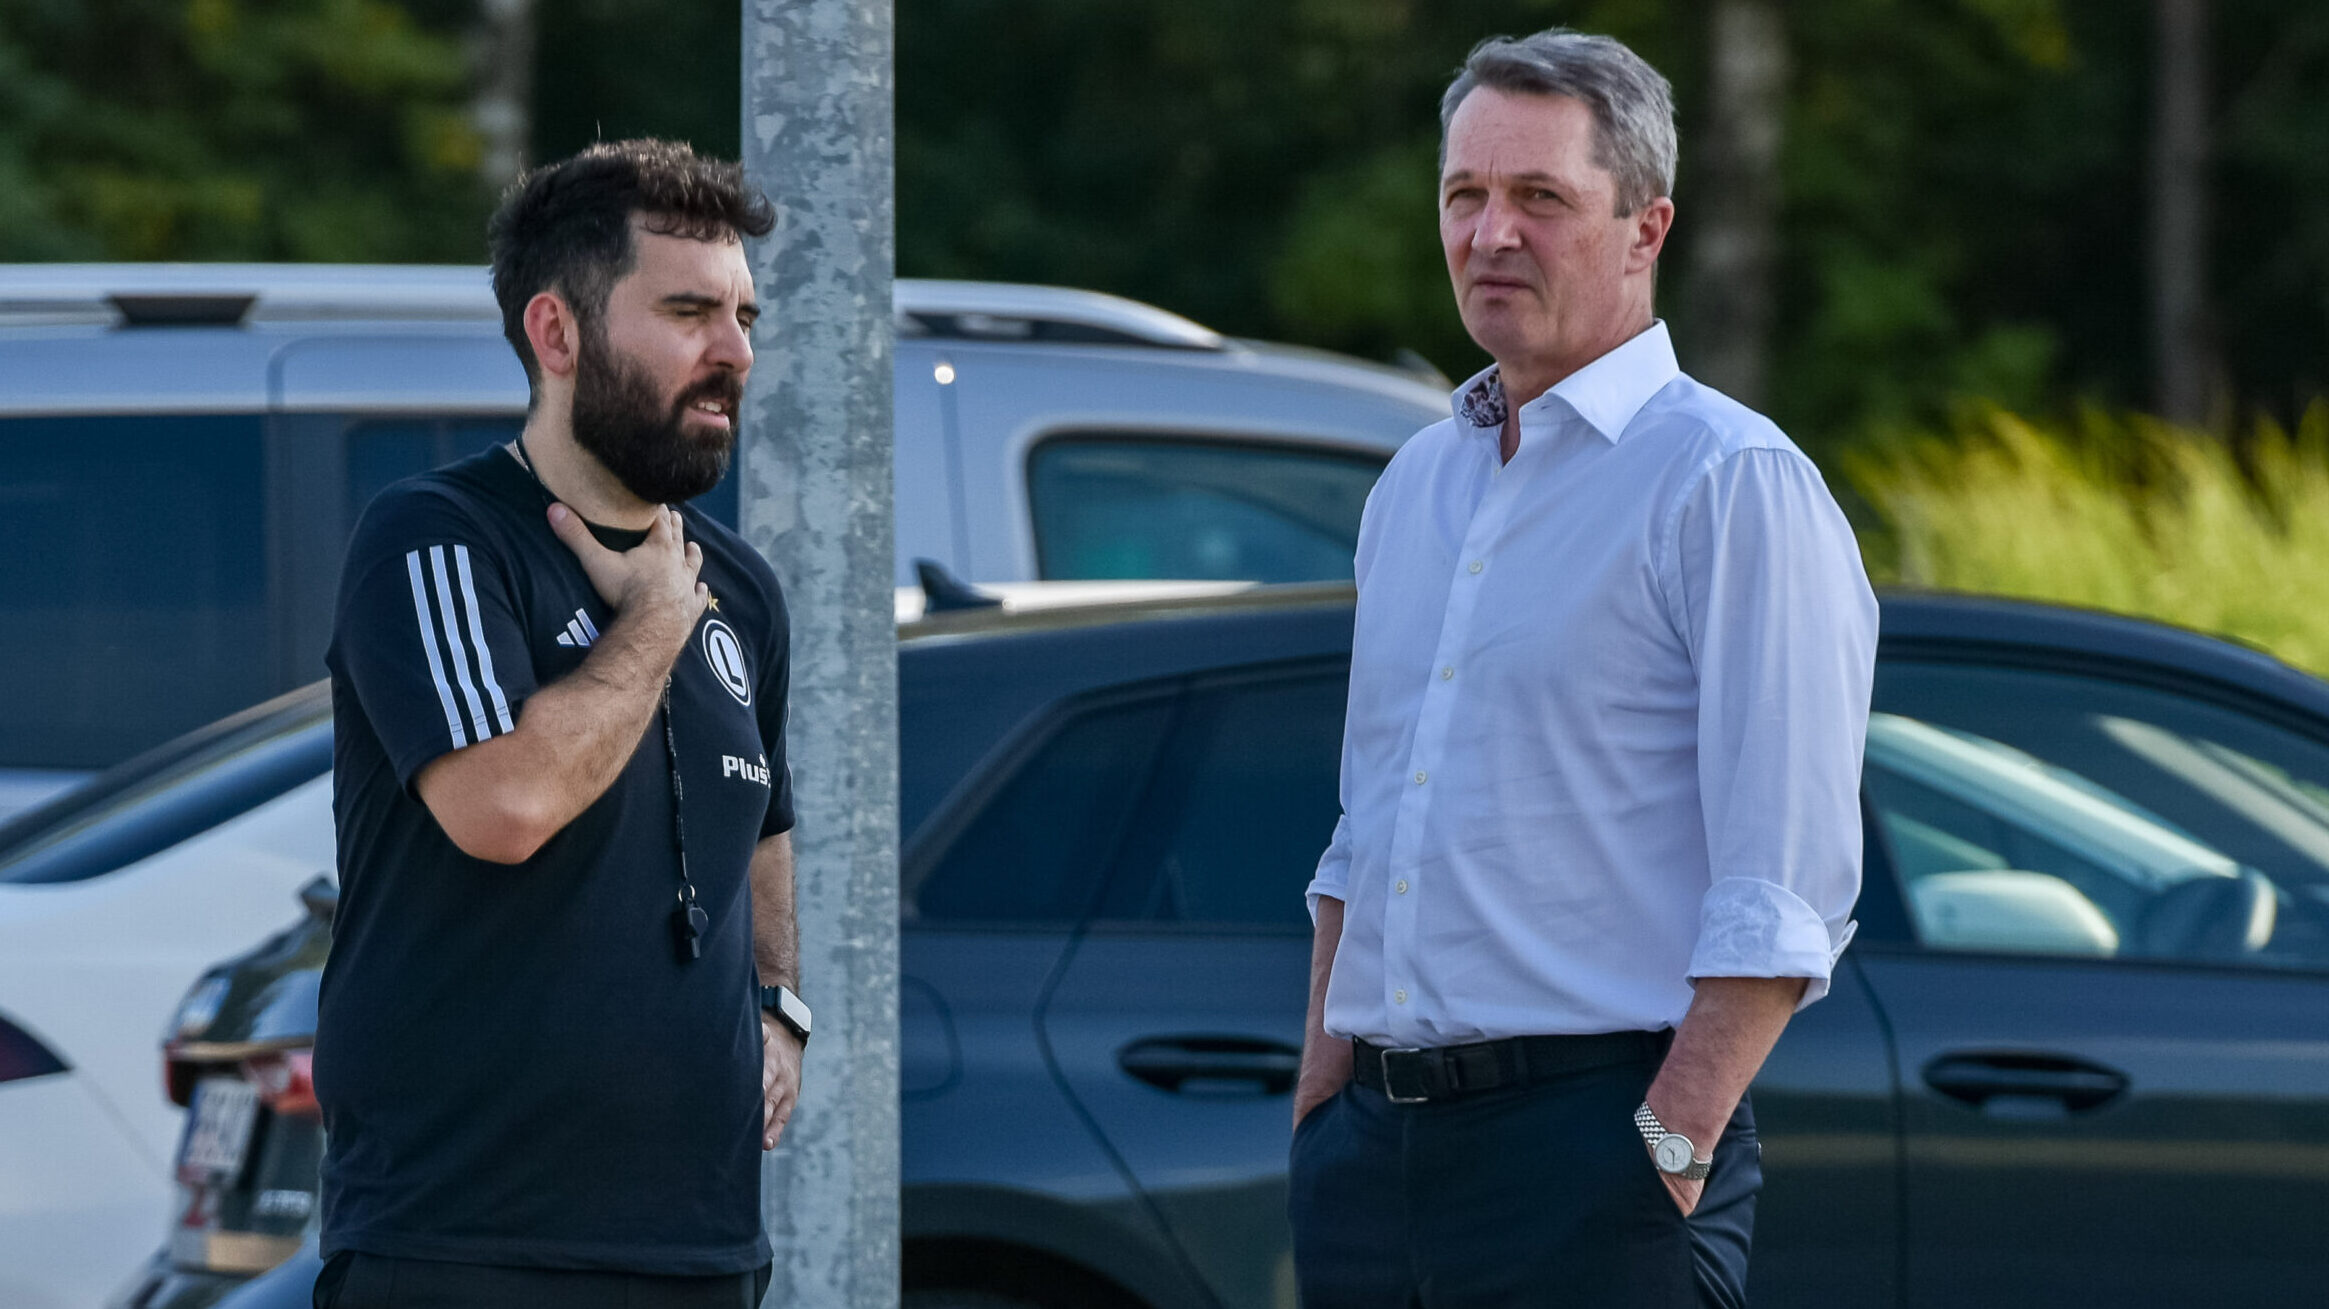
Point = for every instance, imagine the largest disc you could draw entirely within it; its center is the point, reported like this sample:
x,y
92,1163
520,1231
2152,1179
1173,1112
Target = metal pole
x,y
815,462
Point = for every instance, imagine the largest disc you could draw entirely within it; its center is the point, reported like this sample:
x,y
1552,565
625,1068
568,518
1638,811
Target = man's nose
x,y
730,346
1496,228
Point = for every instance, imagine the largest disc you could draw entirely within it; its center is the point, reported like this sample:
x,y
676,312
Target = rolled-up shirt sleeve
x,y
1781,625
1333,875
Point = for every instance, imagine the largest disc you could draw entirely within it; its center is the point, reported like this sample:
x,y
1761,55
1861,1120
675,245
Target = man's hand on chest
x,y
652,586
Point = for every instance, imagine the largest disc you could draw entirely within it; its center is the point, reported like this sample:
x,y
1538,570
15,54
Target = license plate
x,y
225,1110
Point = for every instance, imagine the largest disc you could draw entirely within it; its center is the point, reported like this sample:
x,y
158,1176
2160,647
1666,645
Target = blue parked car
x,y
2079,1052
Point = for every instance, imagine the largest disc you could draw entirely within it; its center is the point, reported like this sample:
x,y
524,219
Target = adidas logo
x,y
580,632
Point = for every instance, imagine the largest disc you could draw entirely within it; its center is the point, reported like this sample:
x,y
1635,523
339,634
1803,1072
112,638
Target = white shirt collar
x,y
1606,393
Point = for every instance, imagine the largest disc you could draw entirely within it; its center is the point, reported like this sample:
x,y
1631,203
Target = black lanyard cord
x,y
688,921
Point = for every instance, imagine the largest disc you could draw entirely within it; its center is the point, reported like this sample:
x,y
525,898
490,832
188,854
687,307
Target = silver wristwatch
x,y
1675,1155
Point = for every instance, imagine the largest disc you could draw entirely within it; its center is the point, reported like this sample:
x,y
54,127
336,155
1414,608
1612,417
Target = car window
x,y
385,450
1035,849
133,604
1121,507
2051,813
1243,803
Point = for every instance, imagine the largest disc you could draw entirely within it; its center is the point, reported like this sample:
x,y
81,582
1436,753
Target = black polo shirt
x,y
514,1065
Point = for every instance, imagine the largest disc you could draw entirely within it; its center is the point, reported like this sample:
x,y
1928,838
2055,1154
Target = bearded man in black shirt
x,y
558,1023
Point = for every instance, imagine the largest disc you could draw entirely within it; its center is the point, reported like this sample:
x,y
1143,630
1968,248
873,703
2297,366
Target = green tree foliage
x,y
2272,215
605,70
236,129
1962,180
1265,167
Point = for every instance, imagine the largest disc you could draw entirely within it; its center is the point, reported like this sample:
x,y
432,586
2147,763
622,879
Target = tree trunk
x,y
1733,217
503,48
2183,354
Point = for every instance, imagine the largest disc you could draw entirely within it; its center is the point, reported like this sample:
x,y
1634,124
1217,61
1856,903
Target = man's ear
x,y
1652,222
554,333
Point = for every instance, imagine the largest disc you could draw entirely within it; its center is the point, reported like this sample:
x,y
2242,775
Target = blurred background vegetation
x,y
2117,512
2044,284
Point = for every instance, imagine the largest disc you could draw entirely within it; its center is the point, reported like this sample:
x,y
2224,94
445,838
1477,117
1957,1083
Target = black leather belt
x,y
1414,1076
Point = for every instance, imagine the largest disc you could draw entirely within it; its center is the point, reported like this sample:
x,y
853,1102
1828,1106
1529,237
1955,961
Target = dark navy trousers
x,y
1539,1195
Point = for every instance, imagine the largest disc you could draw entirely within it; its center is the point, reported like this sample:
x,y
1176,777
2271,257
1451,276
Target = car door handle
x,y
1173,1063
1977,1079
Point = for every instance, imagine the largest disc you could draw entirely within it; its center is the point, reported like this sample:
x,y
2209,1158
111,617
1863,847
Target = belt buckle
x,y
1391,1083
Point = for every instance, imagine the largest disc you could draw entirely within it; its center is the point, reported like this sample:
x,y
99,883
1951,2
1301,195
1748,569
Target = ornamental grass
x,y
2117,512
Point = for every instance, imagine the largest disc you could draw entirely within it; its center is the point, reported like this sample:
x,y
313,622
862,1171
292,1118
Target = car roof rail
x,y
143,295
1004,311
191,309
180,295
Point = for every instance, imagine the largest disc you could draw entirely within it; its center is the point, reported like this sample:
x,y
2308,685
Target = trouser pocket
x,y
331,1279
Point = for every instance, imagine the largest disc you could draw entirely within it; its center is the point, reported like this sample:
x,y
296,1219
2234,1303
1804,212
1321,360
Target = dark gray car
x,y
2079,1051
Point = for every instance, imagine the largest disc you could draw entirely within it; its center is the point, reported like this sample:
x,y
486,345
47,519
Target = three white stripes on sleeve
x,y
443,627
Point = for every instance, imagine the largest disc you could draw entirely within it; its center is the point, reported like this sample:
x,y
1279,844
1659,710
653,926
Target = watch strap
x,y
1653,1132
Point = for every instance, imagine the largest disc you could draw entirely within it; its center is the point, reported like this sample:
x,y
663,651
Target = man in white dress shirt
x,y
1601,828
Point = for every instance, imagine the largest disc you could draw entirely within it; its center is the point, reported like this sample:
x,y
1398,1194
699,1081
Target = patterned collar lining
x,y
1483,405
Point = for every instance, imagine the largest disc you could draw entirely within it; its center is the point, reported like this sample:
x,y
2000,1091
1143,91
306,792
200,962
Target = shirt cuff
x,y
1320,885
1752,928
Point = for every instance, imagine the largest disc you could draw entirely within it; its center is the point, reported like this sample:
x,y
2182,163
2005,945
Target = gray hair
x,y
1633,107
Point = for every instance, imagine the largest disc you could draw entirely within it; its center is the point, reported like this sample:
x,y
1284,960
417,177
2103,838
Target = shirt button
x,y
1419,776
1447,672
1399,997
1478,564
1401,887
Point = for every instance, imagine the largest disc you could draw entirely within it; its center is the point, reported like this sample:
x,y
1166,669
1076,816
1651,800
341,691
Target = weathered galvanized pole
x,y
815,462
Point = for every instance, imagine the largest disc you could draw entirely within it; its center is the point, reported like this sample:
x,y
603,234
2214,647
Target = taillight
x,y
286,1082
22,1057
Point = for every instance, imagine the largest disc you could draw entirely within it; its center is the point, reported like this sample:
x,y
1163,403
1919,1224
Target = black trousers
x,y
354,1280
1540,1195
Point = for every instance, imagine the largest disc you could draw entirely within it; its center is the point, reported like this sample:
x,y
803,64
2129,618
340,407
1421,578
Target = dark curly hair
x,y
566,227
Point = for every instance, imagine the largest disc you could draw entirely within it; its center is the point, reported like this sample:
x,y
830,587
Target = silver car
x,y
185,448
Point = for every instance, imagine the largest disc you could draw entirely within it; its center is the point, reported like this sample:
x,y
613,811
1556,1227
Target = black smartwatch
x,y
781,1004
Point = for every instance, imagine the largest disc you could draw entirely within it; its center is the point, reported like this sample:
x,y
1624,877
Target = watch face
x,y
795,1012
1673,1154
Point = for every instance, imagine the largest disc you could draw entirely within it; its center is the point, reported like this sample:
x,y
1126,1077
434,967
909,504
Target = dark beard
x,y
648,447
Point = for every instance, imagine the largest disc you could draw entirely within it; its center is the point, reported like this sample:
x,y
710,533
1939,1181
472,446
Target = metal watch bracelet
x,y
1676,1155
